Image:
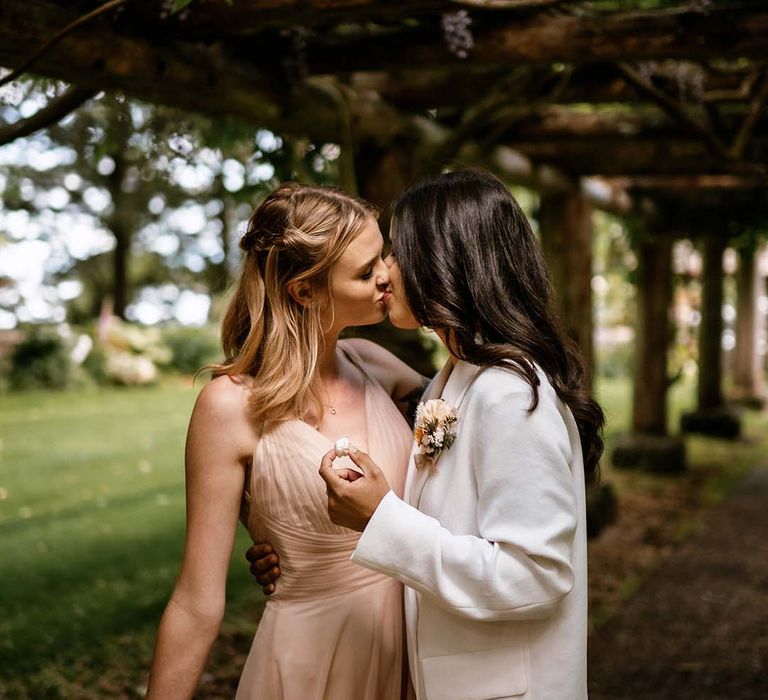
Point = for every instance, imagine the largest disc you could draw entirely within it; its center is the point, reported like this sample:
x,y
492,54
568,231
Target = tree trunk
x,y
565,221
120,221
747,373
710,392
120,270
652,336
218,273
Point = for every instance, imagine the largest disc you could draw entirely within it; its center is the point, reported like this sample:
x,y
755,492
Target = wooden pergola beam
x,y
194,76
699,183
680,33
558,121
514,168
432,88
224,18
637,156
97,56
206,78
199,81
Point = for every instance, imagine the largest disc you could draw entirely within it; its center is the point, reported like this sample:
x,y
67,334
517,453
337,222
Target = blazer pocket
x,y
479,675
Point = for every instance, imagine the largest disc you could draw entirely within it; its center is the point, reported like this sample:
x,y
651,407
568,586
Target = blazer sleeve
x,y
520,565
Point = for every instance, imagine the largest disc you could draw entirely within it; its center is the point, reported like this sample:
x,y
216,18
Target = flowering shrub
x,y
127,354
129,368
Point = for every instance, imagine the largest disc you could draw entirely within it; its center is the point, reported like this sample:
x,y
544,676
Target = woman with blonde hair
x,y
312,267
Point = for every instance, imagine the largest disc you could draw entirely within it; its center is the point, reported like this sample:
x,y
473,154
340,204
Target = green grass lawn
x,y
91,526
727,461
92,522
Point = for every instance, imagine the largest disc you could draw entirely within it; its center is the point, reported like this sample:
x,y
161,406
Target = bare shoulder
x,y
223,397
221,414
397,378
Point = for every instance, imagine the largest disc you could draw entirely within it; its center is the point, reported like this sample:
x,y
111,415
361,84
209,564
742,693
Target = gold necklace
x,y
329,405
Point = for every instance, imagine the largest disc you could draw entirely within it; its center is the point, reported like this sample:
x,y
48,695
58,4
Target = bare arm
x,y
214,487
403,383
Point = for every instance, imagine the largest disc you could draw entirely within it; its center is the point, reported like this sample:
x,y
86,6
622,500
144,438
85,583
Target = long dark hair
x,y
471,266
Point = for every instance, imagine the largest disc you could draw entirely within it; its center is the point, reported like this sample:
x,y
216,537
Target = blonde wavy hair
x,y
297,234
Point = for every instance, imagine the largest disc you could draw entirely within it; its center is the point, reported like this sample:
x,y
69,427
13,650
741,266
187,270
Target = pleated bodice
x,y
332,629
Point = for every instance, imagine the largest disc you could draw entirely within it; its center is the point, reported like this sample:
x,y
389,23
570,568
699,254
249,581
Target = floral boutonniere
x,y
434,431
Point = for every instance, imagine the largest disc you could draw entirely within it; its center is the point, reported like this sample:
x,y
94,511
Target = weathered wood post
x,y
748,385
565,222
712,416
649,445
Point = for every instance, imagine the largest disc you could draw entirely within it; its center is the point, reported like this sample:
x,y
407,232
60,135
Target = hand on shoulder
x,y
398,379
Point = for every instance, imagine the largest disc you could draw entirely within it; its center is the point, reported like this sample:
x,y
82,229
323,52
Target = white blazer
x,y
491,545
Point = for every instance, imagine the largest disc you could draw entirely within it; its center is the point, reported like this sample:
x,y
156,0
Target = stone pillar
x,y
747,370
648,445
565,222
712,416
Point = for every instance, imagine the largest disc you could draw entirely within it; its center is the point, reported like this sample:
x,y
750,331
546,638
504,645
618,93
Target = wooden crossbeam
x,y
680,33
430,88
637,156
225,19
209,78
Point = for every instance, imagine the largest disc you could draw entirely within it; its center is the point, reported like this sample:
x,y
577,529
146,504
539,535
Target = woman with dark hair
x,y
490,536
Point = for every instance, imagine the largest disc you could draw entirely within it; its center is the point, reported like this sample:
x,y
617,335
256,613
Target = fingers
x,y
331,478
258,550
259,566
267,577
269,589
362,460
348,474
326,466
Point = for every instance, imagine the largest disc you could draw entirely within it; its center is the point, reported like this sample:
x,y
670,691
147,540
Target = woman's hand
x,y
265,562
265,566
352,502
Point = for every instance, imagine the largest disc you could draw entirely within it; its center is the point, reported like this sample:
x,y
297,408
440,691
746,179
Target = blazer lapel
x,y
433,390
453,391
